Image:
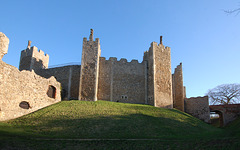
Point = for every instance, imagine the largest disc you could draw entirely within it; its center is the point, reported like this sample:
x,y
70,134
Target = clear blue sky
x,y
201,36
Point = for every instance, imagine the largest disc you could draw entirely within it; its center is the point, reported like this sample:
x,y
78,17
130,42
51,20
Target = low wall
x,y
229,112
198,107
24,92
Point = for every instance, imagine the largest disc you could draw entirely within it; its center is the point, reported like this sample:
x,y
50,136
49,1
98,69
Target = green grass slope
x,y
234,128
108,120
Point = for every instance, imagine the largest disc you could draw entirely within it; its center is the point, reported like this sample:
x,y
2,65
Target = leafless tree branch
x,y
224,94
237,11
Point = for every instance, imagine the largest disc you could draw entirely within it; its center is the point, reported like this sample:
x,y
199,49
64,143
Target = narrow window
x,y
51,91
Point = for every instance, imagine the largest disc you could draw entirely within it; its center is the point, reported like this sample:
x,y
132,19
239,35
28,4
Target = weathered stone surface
x,y
25,86
89,69
178,88
68,76
33,59
159,76
4,42
198,107
122,81
149,82
227,113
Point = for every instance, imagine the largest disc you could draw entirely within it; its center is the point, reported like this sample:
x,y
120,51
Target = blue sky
x,y
201,36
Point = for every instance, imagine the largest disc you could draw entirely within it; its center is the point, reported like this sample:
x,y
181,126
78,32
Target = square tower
x,y
159,75
33,59
89,69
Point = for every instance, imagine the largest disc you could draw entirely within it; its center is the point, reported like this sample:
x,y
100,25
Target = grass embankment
x,y
107,120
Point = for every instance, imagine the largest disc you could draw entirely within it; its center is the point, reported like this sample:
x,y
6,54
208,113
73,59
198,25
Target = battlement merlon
x,y
121,61
91,38
34,52
155,44
96,40
178,68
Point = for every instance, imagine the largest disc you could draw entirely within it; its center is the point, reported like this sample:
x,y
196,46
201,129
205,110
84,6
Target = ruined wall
x,y
33,59
122,81
4,42
178,88
198,107
160,77
68,76
89,69
17,87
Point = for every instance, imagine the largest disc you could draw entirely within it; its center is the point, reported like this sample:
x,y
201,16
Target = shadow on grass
x,y
133,126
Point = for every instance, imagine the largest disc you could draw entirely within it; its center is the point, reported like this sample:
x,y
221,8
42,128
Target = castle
x,y
149,82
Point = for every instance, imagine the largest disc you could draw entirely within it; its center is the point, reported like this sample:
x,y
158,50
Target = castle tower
x,y
89,69
32,59
159,75
178,88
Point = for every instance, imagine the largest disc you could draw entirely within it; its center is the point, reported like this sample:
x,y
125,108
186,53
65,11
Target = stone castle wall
x,y
24,92
105,79
198,107
122,81
68,76
178,88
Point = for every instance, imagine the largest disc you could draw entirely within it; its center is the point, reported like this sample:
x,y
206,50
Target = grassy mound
x,y
108,120
233,128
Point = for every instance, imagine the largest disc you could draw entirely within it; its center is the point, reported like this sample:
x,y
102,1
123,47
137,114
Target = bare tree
x,y
224,94
237,11
233,11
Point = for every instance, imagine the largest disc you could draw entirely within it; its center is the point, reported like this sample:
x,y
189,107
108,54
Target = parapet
x,y
178,68
91,37
121,61
159,46
34,52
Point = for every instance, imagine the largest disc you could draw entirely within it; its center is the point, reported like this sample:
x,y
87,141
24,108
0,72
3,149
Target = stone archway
x,y
51,91
220,119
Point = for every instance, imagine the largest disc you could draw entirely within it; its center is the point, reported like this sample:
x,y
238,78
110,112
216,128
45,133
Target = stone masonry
x,y
198,107
24,92
227,113
147,82
33,59
178,88
89,69
4,41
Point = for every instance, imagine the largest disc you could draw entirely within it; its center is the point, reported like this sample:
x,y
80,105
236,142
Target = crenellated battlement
x,y
33,51
178,68
159,46
121,61
33,59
